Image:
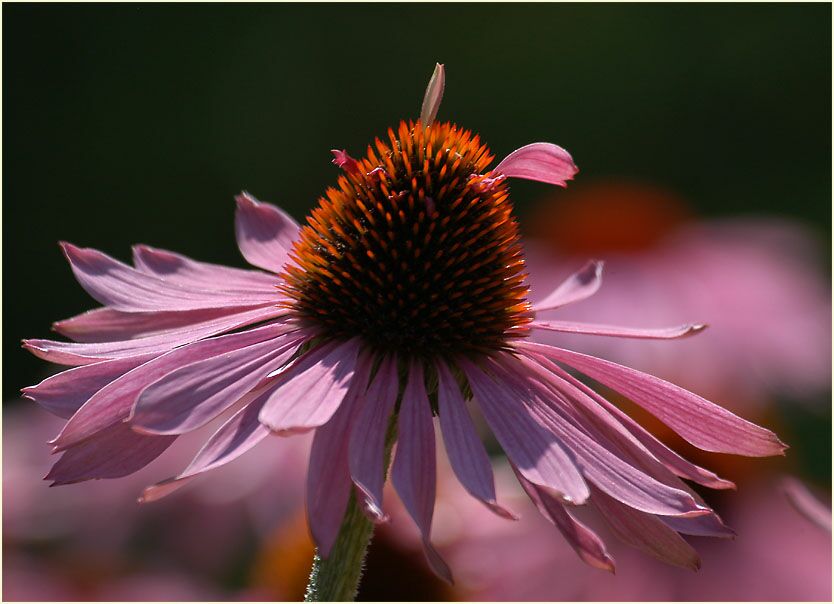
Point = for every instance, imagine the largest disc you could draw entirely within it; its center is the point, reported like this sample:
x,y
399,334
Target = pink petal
x,y
540,457
708,525
670,459
433,96
64,393
112,404
234,438
414,473
806,503
646,532
265,234
72,353
122,287
115,452
366,449
344,161
465,450
702,423
312,389
587,545
192,396
597,462
544,162
581,285
656,333
178,269
328,474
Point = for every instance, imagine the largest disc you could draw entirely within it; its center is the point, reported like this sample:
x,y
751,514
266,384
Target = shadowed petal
x,y
582,284
265,234
544,162
311,389
234,438
702,423
540,457
328,473
74,353
367,438
433,96
192,396
414,473
176,268
116,451
652,333
646,532
587,545
113,403
64,393
465,450
708,525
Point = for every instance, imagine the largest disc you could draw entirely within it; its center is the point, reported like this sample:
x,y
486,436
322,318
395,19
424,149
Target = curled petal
x,y
544,162
265,234
344,160
582,284
433,96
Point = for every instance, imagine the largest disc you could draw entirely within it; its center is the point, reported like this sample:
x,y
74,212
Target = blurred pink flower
x,y
755,281
405,291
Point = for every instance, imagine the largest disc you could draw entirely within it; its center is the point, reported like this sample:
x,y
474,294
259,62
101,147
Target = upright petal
x,y
544,162
366,450
414,473
537,453
265,234
115,452
465,450
587,545
64,393
582,284
433,96
311,389
702,423
192,396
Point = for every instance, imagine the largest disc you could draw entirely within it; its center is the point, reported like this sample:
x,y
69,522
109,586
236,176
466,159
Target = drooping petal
x,y
312,389
537,453
265,234
582,284
587,545
702,423
64,393
192,396
234,438
666,456
708,525
414,472
112,404
328,473
646,532
598,464
433,96
651,333
122,287
544,162
74,353
176,268
465,450
115,452
366,450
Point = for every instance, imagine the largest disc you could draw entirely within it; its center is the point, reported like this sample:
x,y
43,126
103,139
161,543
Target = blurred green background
x,y
128,123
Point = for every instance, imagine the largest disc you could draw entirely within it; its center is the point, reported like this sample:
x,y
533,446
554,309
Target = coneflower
x,y
402,298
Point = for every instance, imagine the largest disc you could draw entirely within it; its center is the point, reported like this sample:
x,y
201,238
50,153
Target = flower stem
x,y
336,579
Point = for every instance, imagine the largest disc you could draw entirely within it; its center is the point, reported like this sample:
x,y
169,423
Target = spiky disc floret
x,y
415,251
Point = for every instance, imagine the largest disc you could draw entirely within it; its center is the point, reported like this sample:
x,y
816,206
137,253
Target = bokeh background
x,y
703,135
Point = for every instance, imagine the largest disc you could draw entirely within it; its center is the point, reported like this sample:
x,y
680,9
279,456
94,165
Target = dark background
x,y
128,123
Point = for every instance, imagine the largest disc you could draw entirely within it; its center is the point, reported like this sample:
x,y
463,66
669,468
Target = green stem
x,y
336,579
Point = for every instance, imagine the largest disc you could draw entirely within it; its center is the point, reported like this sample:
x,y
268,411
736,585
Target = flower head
x,y
403,297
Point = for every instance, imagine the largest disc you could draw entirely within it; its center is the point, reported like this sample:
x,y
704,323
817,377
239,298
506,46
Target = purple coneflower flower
x,y
402,298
